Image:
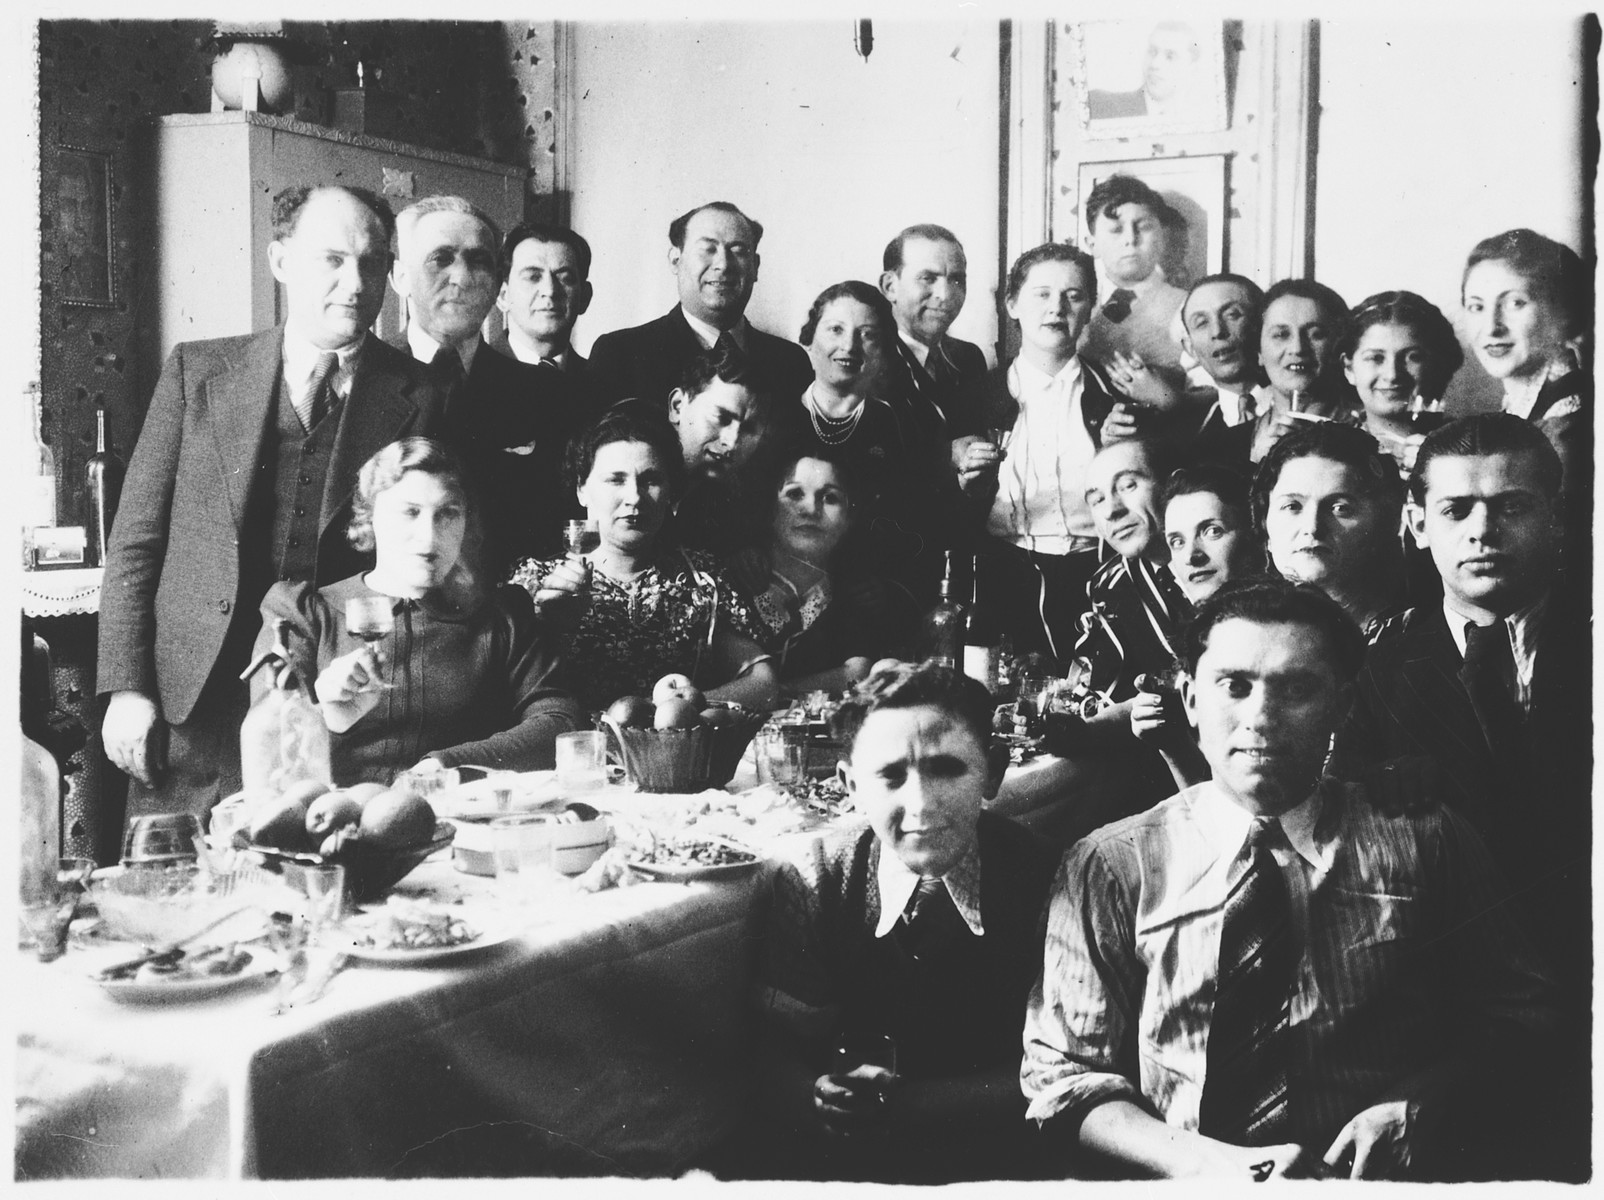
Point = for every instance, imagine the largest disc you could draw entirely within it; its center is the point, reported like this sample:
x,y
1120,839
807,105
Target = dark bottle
x,y
942,631
103,479
982,637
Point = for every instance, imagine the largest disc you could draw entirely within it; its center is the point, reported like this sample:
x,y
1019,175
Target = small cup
x,y
323,885
47,914
582,761
161,838
782,755
524,847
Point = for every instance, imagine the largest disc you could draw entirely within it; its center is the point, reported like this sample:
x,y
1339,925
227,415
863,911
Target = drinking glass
x,y
324,888
524,848
856,1050
782,755
162,838
581,761
371,619
1000,437
48,914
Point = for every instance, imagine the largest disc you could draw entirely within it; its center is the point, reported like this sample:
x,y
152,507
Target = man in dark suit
x,y
1494,687
1220,320
934,380
545,289
511,421
713,254
242,476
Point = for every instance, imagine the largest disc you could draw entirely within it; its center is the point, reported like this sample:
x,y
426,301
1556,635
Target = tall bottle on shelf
x,y
942,631
39,483
982,636
103,487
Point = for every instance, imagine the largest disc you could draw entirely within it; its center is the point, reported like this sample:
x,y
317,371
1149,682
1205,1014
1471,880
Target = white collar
x,y
898,884
1033,377
424,347
1522,624
300,358
525,351
1233,822
708,335
918,349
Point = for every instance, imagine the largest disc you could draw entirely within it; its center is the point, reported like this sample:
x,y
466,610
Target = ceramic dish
x,y
179,988
691,872
400,956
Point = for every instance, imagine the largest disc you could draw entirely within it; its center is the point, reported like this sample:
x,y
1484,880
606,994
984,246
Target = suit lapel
x,y
1431,672
377,412
238,405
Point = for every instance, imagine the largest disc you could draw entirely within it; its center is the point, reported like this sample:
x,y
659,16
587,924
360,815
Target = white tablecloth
x,y
610,1040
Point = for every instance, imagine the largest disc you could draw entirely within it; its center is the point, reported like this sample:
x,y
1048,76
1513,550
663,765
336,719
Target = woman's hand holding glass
x,y
974,458
563,593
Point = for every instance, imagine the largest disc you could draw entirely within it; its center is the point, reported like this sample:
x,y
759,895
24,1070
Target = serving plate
x,y
179,988
691,872
491,934
527,791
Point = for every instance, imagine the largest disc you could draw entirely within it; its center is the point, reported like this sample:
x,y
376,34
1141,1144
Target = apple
x,y
718,716
331,811
678,713
363,792
632,712
671,686
394,820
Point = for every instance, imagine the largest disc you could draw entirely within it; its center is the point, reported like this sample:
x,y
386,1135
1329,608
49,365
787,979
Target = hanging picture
x,y
1195,189
1135,78
83,261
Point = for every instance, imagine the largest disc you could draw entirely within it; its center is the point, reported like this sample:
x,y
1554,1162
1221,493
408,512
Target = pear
x,y
281,823
396,820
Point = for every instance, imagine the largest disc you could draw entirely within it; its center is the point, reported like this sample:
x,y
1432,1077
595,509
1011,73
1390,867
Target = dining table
x,y
598,1033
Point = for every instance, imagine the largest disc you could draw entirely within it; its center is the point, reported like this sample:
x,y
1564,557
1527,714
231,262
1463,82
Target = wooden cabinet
x,y
216,176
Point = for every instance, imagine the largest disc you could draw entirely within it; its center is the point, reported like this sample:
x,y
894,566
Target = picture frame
x,y
85,256
1134,78
1196,187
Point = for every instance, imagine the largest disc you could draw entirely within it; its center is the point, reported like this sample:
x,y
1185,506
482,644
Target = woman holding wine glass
x,y
416,660
1399,354
638,607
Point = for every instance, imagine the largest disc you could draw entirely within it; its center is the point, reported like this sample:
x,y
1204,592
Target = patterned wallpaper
x,y
478,88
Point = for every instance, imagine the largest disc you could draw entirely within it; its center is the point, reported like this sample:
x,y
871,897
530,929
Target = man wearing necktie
x,y
1494,685
242,477
509,420
713,255
1274,974
545,289
1129,224
1220,330
922,925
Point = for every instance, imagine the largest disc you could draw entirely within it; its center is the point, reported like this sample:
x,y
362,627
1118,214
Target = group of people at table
x,y
1344,924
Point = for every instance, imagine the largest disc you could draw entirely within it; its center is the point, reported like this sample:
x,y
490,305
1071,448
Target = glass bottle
x,y
39,490
942,631
982,636
103,486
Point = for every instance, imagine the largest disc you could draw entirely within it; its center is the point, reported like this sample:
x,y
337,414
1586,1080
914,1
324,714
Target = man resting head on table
x,y
924,926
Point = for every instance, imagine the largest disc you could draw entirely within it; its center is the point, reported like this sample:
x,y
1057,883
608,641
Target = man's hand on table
x,y
854,1103
1375,1143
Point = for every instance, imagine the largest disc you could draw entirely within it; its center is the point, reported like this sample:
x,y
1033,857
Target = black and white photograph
x,y
1148,76
897,596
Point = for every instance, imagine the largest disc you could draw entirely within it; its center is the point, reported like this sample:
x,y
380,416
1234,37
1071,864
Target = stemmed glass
x,y
372,619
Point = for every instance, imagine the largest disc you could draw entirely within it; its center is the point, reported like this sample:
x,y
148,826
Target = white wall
x,y
1434,136
831,153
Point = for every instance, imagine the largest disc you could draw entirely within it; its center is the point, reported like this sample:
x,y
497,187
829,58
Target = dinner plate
x,y
528,791
178,988
691,872
398,956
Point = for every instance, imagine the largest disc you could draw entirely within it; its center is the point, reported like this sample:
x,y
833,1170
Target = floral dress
x,y
663,622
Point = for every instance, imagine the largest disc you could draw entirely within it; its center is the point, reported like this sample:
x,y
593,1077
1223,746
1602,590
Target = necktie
x,y
447,366
1118,306
940,369
1247,408
1245,1079
314,402
730,354
1488,674
929,918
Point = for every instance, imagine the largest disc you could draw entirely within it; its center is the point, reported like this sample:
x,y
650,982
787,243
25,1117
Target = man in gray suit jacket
x,y
242,476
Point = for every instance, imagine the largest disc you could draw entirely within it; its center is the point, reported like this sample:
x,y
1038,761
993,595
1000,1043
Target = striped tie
x,y
1245,1081
315,400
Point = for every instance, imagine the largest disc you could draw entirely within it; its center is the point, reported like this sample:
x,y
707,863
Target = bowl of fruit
x,y
378,834
677,741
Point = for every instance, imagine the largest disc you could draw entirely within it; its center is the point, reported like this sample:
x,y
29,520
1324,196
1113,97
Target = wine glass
x,y
372,619
855,1050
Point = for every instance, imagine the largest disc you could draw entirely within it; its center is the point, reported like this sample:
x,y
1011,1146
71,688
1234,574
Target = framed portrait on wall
x,y
84,261
1196,188
1138,77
